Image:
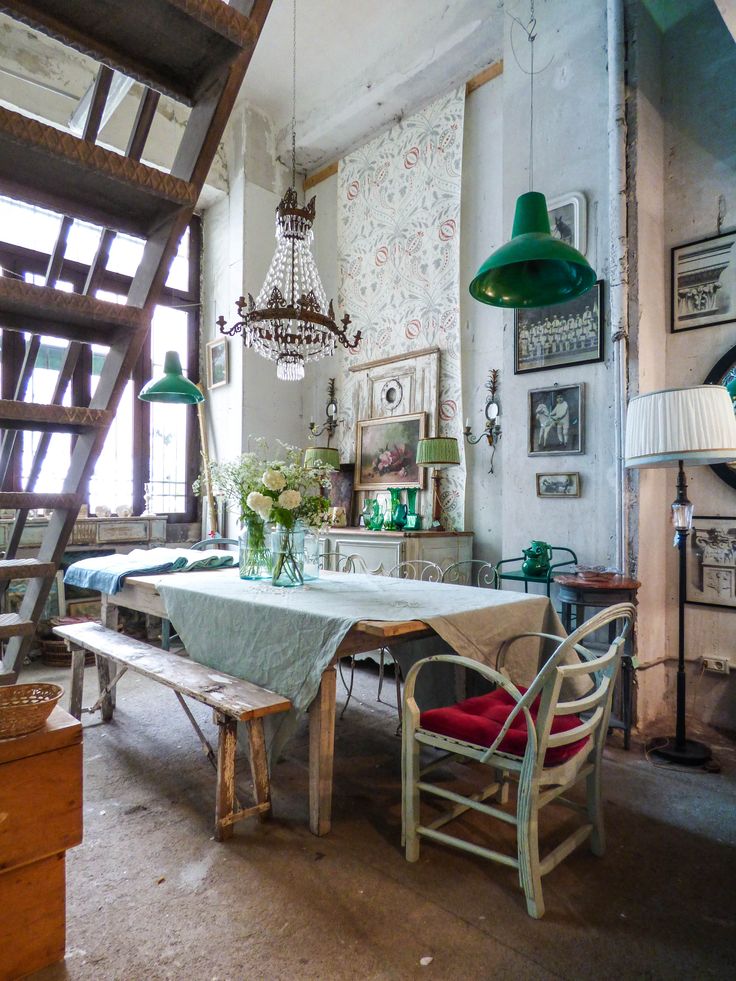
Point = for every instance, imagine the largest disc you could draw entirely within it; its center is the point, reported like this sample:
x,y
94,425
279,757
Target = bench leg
x,y
225,800
75,696
259,766
107,705
321,754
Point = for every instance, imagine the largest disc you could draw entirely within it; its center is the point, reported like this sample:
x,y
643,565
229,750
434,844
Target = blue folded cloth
x,y
107,573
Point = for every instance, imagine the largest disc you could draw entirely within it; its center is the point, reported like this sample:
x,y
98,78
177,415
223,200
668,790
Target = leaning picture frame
x,y
386,452
217,363
556,423
711,562
568,215
569,333
703,283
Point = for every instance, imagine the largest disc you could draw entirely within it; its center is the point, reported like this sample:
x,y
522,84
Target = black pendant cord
x,y
293,138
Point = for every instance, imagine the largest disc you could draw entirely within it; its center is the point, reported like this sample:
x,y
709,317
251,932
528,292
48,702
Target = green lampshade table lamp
x,y
437,452
322,454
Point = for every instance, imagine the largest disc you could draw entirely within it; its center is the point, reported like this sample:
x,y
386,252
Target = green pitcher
x,y
537,559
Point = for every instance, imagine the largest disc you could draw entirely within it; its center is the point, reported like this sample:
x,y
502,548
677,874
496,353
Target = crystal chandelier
x,y
290,321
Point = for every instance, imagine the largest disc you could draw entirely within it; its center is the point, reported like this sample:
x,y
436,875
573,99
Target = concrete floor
x,y
152,896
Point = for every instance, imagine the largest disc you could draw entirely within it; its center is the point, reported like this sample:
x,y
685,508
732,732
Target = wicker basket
x,y
25,708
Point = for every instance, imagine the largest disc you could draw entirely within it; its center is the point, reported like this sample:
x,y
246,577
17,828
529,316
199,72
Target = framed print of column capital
x,y
556,420
217,363
723,372
703,290
711,562
568,333
568,219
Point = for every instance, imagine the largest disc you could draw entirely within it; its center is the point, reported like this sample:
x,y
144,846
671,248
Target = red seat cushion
x,y
479,720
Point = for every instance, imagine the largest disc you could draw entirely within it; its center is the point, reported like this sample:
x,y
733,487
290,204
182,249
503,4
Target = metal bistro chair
x,y
424,571
538,736
471,572
331,561
166,633
516,575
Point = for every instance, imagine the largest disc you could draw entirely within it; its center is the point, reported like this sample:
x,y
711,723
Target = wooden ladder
x,y
195,51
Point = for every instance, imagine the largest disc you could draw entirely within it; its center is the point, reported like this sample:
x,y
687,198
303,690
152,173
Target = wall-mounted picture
x,y
704,283
568,219
565,334
711,562
217,363
723,372
386,452
556,420
558,485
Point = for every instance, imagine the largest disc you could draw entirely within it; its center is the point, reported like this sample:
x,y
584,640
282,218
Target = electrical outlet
x,y
718,665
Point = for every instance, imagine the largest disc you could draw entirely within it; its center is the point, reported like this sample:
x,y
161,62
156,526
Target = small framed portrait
x,y
568,220
558,485
711,562
386,452
556,420
568,333
703,290
217,363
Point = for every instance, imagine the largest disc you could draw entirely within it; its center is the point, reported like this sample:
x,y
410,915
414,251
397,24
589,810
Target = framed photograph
x,y
558,485
556,420
565,334
217,363
723,372
703,283
568,220
386,452
711,562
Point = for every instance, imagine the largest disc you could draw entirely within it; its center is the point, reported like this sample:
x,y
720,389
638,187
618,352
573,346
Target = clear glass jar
x,y
311,555
254,551
287,555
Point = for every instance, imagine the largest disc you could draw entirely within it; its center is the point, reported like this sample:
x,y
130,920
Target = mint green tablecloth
x,y
283,639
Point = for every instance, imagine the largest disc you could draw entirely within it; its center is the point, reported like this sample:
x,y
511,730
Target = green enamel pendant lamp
x,y
173,388
533,269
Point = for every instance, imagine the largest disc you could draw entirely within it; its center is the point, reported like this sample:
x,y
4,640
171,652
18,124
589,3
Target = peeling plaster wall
x,y
570,154
684,151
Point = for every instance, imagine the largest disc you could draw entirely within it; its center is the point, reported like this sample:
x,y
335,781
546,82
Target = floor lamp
x,y
671,428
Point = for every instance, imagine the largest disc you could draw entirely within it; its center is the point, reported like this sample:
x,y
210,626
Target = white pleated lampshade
x,y
696,425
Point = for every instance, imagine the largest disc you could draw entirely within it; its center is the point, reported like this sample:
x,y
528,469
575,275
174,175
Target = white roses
x,y
274,480
260,504
289,499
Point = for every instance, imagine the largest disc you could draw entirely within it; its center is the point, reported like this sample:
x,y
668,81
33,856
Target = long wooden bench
x,y
232,699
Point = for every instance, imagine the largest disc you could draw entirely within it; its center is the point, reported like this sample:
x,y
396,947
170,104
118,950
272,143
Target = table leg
x,y
321,754
110,619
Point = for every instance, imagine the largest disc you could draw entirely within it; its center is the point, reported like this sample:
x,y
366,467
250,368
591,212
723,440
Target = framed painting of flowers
x,y
386,452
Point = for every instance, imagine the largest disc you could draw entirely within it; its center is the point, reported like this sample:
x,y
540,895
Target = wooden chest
x,y
40,817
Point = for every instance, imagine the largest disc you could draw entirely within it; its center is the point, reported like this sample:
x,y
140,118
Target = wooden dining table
x,y
141,593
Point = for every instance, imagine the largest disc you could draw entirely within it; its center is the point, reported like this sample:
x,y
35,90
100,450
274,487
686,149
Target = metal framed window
x,y
147,444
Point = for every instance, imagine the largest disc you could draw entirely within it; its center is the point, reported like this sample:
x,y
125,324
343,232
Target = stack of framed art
x,y
561,336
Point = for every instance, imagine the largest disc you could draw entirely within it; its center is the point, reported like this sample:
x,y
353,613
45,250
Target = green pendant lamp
x,y
173,388
533,269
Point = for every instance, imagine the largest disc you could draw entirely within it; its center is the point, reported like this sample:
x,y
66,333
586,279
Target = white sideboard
x,y
120,534
382,550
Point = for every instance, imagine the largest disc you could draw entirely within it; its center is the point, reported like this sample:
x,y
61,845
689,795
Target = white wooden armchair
x,y
545,739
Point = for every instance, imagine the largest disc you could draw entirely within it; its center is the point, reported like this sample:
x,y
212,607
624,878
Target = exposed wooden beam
x,y
487,75
320,175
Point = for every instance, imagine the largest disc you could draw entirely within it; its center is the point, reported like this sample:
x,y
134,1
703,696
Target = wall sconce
x,y
492,430
330,425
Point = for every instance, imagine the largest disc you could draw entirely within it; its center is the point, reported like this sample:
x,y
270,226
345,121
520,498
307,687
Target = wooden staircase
x,y
195,51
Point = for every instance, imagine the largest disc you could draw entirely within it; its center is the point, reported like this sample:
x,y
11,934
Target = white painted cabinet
x,y
382,550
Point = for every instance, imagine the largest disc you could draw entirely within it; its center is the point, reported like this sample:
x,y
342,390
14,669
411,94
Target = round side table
x,y
578,594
